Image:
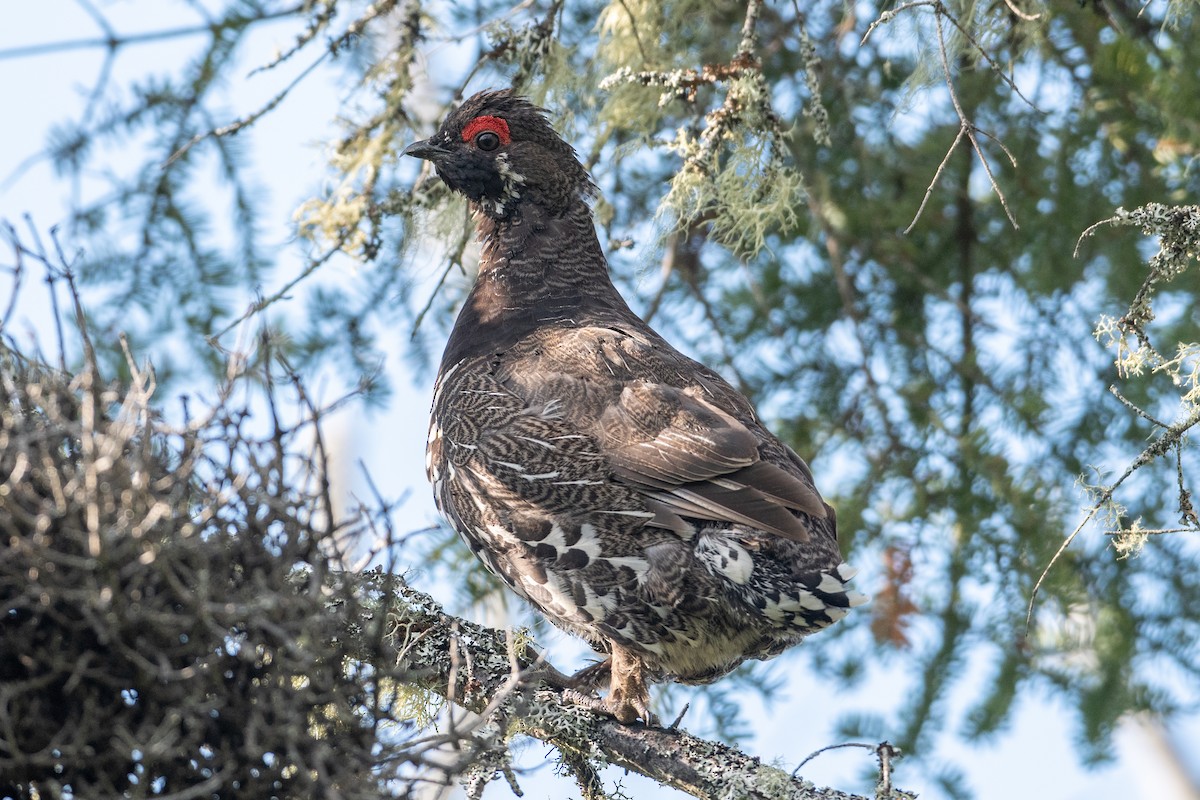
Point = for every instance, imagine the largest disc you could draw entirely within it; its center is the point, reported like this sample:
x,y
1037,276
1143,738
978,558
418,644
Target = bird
x,y
627,491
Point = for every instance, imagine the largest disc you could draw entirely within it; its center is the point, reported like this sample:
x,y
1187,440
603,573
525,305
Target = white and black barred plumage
x,y
627,491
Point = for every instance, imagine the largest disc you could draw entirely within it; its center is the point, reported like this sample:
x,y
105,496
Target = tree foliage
x,y
889,214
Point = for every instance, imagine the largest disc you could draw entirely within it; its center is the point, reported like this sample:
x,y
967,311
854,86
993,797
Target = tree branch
x,y
424,637
114,41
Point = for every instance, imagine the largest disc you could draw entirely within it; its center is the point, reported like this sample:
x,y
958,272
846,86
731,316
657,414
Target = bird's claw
x,y
625,711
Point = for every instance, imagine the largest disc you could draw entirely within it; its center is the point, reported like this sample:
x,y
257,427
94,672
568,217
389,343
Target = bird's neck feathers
x,y
536,269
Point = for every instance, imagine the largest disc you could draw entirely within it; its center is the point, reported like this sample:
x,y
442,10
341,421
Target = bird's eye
x,y
487,140
486,132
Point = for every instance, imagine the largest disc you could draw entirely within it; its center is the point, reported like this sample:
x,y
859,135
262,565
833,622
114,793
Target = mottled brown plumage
x,y
627,491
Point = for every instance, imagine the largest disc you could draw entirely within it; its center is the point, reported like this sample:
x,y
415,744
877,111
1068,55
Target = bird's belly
x,y
693,610
701,636
715,649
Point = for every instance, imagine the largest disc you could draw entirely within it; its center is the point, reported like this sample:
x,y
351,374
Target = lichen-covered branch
x,y
1178,231
480,678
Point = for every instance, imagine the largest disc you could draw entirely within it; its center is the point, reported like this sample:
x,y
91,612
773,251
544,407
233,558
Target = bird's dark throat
x,y
536,269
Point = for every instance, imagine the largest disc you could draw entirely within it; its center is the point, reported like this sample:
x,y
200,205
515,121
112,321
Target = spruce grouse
x,y
627,491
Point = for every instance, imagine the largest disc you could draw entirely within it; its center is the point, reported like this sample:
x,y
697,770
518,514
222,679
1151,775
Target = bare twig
x,y
1169,438
891,13
455,260
17,270
936,177
1021,14
943,11
282,293
1151,531
749,38
1187,512
633,27
319,22
885,752
248,120
967,125
113,41
940,9
1125,401
826,749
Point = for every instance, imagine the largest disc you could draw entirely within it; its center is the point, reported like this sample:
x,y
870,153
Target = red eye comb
x,y
480,124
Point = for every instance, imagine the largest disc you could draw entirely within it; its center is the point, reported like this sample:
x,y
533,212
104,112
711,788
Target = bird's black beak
x,y
426,149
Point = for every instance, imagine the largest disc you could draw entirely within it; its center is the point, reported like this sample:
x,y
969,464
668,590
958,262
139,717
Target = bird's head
x,y
499,151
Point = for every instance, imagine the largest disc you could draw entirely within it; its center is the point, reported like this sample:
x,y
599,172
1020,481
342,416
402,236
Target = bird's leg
x,y
628,698
591,678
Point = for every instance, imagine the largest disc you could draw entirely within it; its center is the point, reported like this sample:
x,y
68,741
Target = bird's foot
x,y
586,700
628,698
545,672
629,708
625,710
